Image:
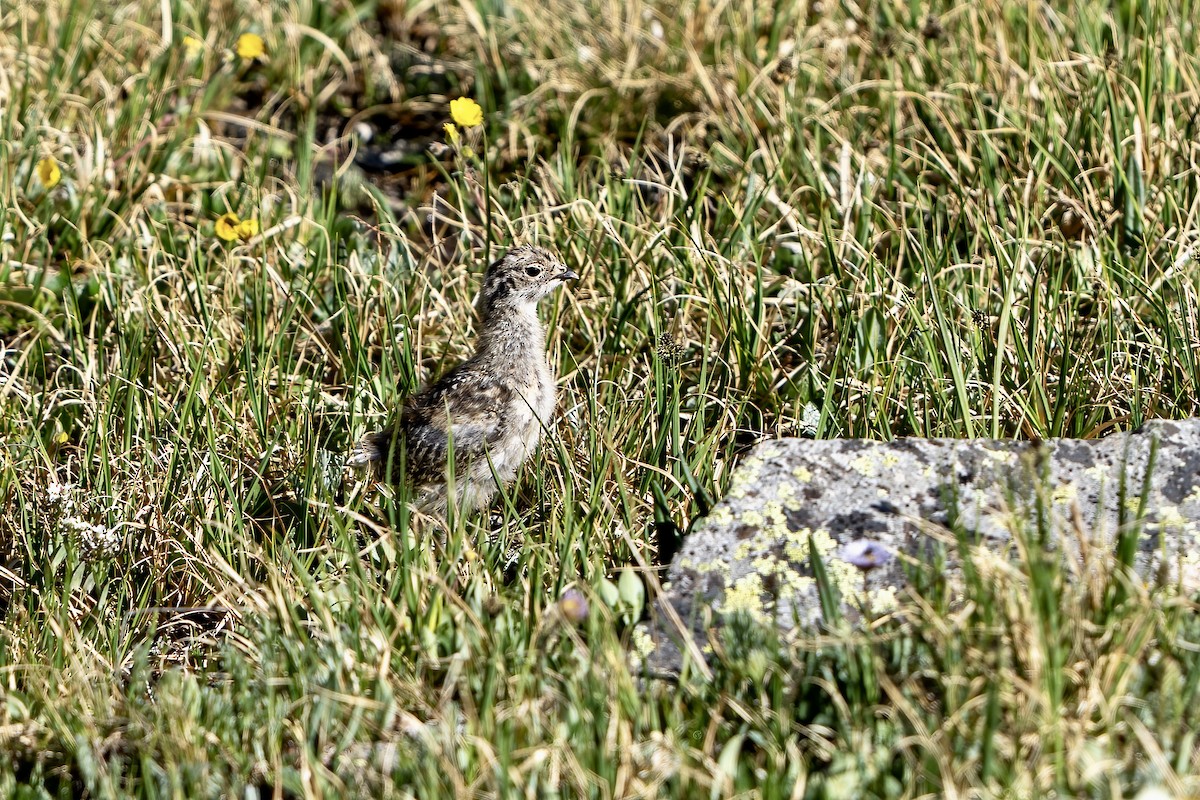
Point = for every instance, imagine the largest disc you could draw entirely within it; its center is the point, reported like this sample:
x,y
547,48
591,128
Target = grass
x,y
869,219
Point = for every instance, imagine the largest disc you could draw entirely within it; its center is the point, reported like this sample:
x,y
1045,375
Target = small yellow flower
x,y
48,172
228,226
247,228
250,46
466,112
451,132
192,46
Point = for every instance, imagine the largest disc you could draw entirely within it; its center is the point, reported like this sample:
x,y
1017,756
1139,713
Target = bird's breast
x,y
532,410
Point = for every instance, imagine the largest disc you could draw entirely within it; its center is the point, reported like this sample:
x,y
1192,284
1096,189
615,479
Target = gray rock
x,y
855,499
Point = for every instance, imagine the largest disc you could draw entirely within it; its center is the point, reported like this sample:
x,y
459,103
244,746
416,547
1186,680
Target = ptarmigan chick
x,y
489,410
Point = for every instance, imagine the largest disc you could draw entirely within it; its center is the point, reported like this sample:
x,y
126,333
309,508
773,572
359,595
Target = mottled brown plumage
x,y
488,411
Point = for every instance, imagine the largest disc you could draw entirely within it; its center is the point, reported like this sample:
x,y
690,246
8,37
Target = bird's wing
x,y
465,409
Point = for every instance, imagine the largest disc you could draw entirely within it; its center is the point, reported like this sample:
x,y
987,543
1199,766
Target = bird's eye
x,y
533,271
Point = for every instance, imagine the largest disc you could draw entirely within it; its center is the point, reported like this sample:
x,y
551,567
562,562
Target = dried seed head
x,y
933,27
669,350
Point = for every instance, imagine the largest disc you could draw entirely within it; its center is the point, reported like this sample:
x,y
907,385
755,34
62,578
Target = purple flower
x,y
573,605
866,554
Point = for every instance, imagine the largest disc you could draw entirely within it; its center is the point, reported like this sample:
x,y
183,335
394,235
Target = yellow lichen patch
x,y
794,582
749,471
721,516
796,547
642,643
882,600
846,577
1064,493
774,515
802,474
765,564
1001,456
890,460
1169,517
785,492
865,465
1097,473
751,517
746,476
745,597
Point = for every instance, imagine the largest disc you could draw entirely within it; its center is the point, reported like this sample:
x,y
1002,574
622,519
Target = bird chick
x,y
486,414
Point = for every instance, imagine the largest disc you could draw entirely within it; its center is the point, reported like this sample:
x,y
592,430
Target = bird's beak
x,y
567,275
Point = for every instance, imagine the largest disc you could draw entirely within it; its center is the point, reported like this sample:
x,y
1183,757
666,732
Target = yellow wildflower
x,y
451,132
250,46
466,112
48,172
247,228
193,46
228,226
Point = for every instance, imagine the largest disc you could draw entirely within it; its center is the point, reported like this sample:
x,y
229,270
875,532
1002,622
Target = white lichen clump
x,y
59,496
95,541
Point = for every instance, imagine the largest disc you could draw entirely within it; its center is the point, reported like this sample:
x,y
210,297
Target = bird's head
x,y
522,277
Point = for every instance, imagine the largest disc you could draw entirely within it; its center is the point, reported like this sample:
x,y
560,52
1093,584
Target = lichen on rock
x,y
751,557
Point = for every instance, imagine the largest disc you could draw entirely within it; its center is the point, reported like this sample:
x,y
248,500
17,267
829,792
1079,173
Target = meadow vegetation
x,y
234,236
